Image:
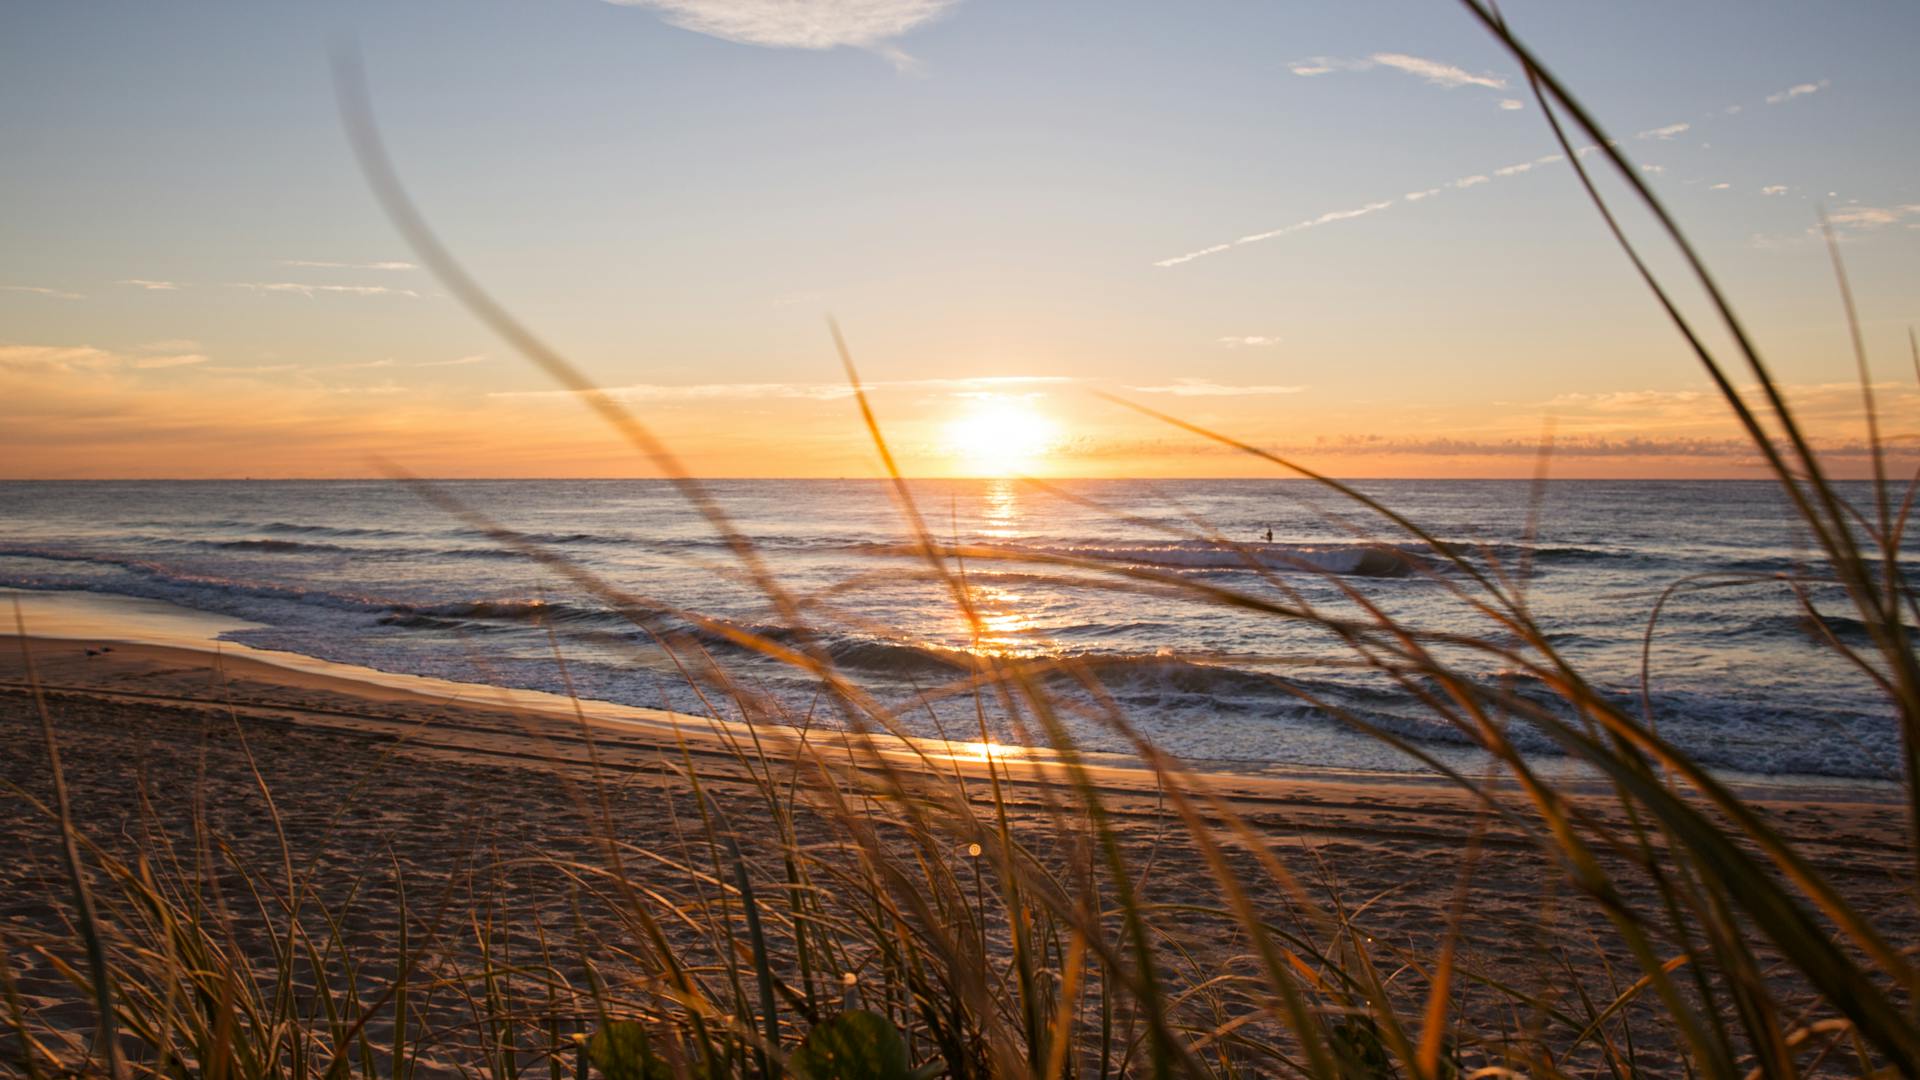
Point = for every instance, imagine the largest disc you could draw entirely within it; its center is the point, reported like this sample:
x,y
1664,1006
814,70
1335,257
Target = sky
x,y
1341,232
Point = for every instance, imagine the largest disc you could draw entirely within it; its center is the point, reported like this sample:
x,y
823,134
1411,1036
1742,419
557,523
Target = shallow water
x,y
369,573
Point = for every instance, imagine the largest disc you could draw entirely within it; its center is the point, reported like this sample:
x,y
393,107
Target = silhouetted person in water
x,y
1269,534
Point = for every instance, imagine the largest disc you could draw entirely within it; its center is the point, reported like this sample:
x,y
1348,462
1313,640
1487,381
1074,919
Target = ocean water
x,y
371,573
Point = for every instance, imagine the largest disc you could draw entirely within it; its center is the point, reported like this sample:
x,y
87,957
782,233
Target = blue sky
x,y
977,189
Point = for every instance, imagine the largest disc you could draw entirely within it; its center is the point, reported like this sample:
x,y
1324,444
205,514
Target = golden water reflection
x,y
1000,510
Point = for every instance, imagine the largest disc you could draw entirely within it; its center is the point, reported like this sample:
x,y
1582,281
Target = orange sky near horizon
x,y
98,415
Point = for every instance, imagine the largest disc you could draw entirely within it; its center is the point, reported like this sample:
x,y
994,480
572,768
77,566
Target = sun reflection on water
x,y
1000,511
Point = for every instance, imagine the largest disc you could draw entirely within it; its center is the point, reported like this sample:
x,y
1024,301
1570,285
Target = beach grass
x,y
834,899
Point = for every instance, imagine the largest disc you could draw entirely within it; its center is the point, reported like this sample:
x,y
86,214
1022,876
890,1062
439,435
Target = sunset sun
x,y
999,437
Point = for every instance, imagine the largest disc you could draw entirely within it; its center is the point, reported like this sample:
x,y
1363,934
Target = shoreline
x,y
115,619
232,684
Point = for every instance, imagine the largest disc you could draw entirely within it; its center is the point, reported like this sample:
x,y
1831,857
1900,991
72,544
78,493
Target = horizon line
x,y
886,479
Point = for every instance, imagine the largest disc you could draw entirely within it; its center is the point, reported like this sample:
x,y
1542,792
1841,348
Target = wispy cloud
x,y
1323,65
1331,216
1250,341
55,359
385,389
1622,400
310,291
811,391
1667,132
250,369
803,24
325,264
1436,72
185,360
1872,217
699,392
1801,90
1458,184
1450,75
150,284
41,290
78,359
1299,226
1563,447
462,361
1209,388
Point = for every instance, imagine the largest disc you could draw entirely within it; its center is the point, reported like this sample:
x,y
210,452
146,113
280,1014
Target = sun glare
x,y
999,437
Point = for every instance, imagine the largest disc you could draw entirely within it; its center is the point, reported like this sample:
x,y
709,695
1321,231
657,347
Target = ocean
x,y
372,573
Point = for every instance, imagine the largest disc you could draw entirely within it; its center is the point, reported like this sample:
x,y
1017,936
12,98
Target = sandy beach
x,y
499,809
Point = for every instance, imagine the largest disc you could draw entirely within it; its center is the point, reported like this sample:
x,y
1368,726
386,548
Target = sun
x,y
999,437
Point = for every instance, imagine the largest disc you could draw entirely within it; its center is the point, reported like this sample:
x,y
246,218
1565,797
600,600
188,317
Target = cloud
x,y
1324,219
1249,341
1341,215
700,392
150,285
1774,189
1321,65
40,290
1722,186
185,360
1646,423
84,359
1576,447
1801,90
55,359
802,24
476,358
384,389
1437,73
1872,217
1667,132
818,391
1655,169
1634,400
309,291
1209,388
323,264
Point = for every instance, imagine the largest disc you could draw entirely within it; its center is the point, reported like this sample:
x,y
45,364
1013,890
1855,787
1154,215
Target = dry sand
x,y
471,794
